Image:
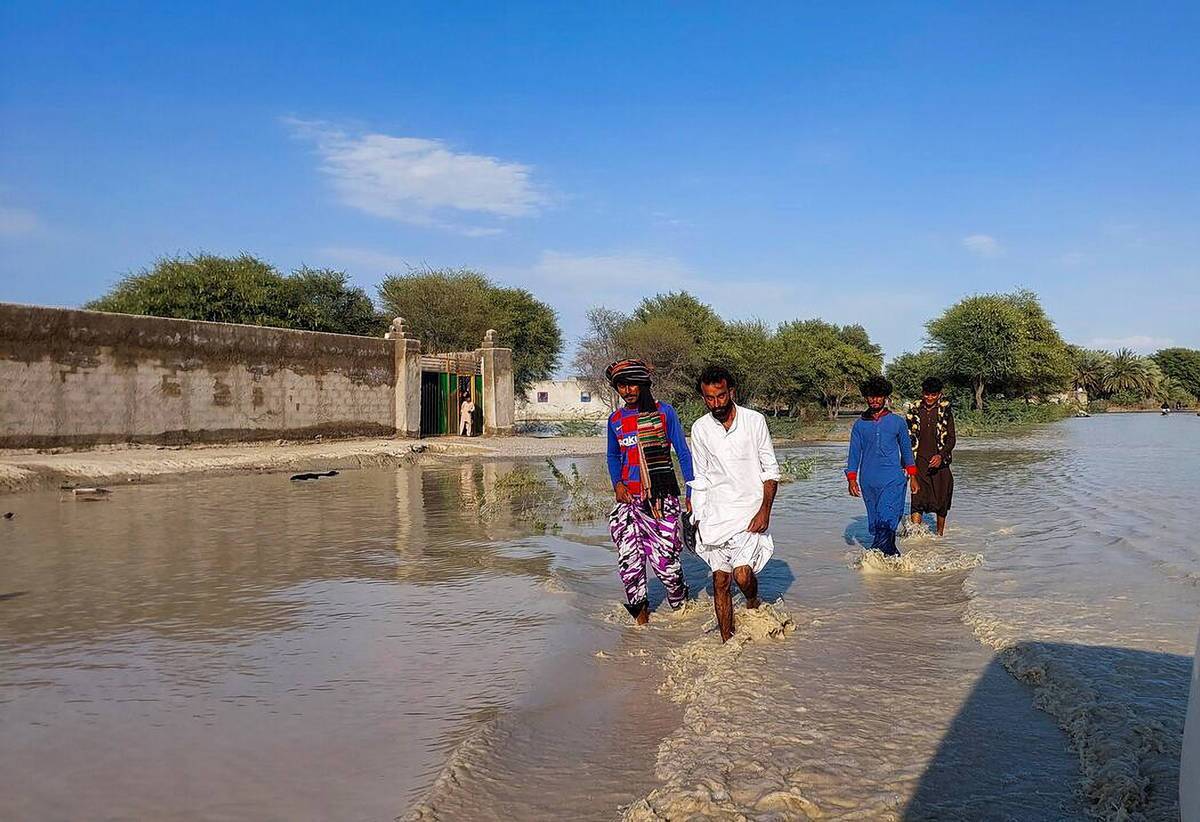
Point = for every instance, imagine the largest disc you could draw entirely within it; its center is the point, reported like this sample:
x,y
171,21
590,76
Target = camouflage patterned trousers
x,y
641,539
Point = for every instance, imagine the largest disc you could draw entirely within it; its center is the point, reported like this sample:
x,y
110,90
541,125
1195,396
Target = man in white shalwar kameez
x,y
736,480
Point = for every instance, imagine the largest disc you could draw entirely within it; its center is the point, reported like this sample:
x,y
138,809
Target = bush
x,y
1126,399
1000,416
244,290
1097,406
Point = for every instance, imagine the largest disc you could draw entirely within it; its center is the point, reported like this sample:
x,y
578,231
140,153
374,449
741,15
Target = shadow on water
x,y
774,580
857,532
1126,739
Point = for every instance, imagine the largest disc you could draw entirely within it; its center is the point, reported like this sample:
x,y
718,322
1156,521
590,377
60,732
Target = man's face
x,y
932,399
629,392
876,403
719,399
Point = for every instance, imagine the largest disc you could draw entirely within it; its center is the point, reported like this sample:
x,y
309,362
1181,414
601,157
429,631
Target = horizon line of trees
x,y
986,345
787,369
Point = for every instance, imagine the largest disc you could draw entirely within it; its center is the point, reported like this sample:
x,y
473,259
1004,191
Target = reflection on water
x,y
254,648
376,645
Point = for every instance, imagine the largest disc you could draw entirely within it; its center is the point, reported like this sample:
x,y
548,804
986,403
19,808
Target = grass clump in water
x,y
795,469
546,503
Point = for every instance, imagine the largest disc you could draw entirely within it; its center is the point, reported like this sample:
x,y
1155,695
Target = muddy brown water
x,y
369,646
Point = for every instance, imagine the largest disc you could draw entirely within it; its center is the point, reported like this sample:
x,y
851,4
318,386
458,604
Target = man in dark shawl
x,y
931,429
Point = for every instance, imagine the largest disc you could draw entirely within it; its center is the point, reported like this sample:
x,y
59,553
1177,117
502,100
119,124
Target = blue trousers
x,y
885,509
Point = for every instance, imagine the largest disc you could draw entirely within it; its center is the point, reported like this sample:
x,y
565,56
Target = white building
x,y
563,400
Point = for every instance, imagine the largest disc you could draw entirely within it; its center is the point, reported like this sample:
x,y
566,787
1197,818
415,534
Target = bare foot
x,y
752,604
643,615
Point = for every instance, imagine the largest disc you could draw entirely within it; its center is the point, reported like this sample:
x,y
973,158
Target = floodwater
x,y
381,644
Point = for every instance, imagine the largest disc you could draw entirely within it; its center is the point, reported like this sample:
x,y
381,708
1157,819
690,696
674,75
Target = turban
x,y
633,372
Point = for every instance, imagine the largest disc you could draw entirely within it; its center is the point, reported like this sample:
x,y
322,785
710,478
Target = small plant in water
x,y
793,469
527,493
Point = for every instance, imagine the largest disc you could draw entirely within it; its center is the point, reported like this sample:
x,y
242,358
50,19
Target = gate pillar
x,y
408,380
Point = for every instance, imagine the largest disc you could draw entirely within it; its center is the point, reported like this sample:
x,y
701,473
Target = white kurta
x,y
730,468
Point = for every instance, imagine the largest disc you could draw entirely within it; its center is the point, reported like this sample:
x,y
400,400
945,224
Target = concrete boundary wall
x,y
82,377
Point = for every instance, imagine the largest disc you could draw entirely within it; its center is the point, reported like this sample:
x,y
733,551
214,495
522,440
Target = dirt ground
x,y
109,465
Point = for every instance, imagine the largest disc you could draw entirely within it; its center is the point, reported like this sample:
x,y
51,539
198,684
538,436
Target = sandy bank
x,y
26,470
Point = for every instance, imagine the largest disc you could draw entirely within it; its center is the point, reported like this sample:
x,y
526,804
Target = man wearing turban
x,y
645,522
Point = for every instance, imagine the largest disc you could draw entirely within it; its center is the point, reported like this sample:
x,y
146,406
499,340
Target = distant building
x,y
563,400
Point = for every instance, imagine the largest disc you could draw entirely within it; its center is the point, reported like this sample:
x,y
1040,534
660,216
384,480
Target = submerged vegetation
x,y
547,501
795,469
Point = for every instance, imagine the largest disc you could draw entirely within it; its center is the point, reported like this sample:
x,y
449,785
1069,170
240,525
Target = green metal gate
x,y
440,392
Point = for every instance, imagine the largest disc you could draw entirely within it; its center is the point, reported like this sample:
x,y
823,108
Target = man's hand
x,y
761,521
913,485
935,461
855,491
623,494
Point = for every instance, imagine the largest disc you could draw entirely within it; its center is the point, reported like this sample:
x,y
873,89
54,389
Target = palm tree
x,y
1171,391
1091,367
1127,372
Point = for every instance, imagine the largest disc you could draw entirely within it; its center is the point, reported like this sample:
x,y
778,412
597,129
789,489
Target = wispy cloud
x,y
18,222
418,180
1073,258
1142,343
984,245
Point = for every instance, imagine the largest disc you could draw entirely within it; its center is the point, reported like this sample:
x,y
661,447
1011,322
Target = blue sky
x,y
858,162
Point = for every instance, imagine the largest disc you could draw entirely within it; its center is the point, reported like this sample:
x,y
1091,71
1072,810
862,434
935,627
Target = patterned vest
x,y
913,415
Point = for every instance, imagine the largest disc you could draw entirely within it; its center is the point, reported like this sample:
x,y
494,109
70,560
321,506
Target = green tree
x,y
1049,366
446,309
1128,373
323,300
670,351
1183,365
982,341
698,319
909,370
1173,393
857,337
243,289
823,362
1089,370
746,349
451,310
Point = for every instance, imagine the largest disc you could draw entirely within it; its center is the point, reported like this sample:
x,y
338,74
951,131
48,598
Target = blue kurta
x,y
881,458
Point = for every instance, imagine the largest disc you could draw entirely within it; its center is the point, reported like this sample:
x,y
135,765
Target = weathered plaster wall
x,y
78,377
499,396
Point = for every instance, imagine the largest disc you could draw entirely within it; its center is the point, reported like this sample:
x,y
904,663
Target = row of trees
x,y
985,345
782,369
448,310
1124,378
1006,345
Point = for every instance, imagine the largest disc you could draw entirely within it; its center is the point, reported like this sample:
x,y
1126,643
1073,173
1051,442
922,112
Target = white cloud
x,y
17,222
1141,343
982,244
418,180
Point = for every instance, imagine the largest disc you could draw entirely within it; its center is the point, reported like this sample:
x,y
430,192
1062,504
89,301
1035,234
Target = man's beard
x,y
723,412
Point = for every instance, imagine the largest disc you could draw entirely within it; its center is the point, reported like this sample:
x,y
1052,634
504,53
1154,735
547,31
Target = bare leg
x,y
723,603
744,576
941,525
916,517
643,615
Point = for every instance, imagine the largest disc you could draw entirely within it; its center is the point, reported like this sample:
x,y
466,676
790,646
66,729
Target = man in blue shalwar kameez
x,y
880,458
